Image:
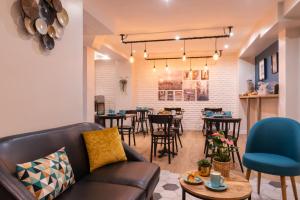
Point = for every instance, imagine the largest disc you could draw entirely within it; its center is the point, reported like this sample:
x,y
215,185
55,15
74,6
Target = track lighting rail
x,y
188,57
225,35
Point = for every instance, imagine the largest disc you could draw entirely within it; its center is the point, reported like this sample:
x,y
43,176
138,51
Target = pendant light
x,y
145,52
131,58
154,68
216,54
184,55
191,70
167,67
231,33
206,67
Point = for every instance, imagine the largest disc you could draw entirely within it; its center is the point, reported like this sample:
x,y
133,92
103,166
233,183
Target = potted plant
x,y
204,167
221,148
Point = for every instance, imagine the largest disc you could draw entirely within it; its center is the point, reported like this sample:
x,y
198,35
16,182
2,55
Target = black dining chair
x,y
214,110
231,129
160,128
179,111
130,129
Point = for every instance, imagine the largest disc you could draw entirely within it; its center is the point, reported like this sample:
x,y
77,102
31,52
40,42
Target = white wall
x,y
39,89
223,90
108,75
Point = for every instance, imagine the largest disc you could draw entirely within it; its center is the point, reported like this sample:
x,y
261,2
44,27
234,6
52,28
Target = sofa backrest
x,y
31,146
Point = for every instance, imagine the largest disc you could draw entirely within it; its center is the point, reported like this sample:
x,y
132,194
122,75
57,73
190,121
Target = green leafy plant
x,y
204,163
221,147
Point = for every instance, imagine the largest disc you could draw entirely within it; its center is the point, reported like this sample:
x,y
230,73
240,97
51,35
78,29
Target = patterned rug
x,y
168,188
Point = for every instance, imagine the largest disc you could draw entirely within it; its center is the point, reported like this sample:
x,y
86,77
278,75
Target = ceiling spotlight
x,y
184,55
226,46
131,59
145,52
177,37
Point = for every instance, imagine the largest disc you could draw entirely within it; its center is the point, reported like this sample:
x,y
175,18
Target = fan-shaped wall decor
x,y
46,19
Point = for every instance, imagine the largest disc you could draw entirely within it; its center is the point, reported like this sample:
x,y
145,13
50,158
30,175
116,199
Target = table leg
x,y
122,134
111,123
183,194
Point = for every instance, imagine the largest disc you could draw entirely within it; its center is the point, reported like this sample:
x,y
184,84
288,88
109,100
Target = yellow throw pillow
x,y
104,147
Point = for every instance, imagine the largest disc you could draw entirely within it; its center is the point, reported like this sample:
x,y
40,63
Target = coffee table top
x,y
238,188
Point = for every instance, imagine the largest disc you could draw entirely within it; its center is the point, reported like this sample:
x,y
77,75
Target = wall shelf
x,y
258,99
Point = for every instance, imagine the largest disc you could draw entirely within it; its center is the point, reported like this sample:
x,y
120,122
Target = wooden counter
x,y
258,99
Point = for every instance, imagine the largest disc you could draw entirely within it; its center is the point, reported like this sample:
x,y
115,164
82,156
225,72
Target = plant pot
x,y
222,167
204,171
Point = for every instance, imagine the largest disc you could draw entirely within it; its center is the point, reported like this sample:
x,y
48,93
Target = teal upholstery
x,y
273,147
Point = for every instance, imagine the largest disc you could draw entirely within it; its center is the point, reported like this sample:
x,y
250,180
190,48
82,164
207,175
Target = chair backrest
x,y
165,121
280,136
213,109
230,126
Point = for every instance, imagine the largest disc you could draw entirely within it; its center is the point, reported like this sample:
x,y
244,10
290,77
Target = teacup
x,y
216,179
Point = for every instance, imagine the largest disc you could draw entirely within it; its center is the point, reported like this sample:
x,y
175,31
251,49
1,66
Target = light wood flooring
x,y
192,151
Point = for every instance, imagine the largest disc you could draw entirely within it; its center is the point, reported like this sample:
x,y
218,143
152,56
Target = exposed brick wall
x,y
223,89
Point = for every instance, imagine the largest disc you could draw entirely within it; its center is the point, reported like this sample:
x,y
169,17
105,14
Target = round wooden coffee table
x,y
238,188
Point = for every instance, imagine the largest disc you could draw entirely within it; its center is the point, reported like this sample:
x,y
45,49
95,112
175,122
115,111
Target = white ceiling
x,y
148,16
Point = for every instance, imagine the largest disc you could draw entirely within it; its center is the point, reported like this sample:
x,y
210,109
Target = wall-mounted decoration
x,y
274,63
178,95
170,81
204,74
161,95
202,90
123,84
46,19
189,94
261,68
170,95
183,85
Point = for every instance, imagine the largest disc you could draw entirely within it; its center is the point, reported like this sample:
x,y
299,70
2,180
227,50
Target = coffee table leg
x,y
183,194
249,198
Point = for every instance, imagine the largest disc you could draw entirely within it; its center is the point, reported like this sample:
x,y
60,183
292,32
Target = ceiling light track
x,y
226,34
180,58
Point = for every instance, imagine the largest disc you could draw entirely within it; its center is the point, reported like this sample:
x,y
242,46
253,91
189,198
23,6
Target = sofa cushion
x,y
90,190
143,175
47,177
104,147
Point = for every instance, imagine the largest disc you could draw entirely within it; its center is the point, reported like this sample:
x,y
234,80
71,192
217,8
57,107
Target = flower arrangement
x,y
123,84
222,147
204,163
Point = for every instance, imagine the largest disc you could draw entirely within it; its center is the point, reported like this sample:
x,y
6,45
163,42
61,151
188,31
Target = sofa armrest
x,y
11,187
132,155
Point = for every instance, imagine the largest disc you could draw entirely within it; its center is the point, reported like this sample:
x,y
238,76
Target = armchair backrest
x,y
280,136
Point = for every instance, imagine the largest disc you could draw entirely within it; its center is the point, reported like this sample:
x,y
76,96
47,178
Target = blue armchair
x,y
273,147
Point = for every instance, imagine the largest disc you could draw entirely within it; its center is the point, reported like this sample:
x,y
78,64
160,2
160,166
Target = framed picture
x,y
161,95
261,70
204,74
170,95
274,62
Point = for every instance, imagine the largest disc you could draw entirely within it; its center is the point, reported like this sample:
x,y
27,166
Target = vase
x,y
204,171
222,167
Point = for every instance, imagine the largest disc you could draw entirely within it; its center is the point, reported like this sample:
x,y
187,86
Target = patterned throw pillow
x,y
47,177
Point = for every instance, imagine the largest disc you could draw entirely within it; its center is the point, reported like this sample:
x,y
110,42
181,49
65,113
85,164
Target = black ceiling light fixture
x,y
131,58
228,32
154,68
167,66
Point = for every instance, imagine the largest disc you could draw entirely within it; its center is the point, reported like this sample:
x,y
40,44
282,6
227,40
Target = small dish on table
x,y
192,178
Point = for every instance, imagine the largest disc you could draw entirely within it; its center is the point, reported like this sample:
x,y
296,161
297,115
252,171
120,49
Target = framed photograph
x,y
261,70
204,74
161,95
202,91
274,63
170,95
178,95
189,94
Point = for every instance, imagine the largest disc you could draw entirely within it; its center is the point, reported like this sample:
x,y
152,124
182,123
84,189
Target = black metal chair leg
x,y
179,139
129,132
232,154
133,135
169,150
151,151
173,152
181,126
176,143
240,161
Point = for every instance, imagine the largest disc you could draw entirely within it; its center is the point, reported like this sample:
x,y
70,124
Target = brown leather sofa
x,y
133,179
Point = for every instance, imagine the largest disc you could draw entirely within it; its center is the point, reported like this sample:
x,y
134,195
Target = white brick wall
x,y
223,90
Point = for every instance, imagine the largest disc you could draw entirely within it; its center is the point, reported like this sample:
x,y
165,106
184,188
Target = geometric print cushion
x,y
47,177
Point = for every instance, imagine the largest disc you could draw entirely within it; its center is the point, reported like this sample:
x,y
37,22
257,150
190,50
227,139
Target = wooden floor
x,y
192,151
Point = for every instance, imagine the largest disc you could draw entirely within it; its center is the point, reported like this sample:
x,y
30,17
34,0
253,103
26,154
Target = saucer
x,y
218,189
197,180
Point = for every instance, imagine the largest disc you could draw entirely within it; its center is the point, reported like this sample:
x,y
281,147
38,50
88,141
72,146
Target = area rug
x,y
168,188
